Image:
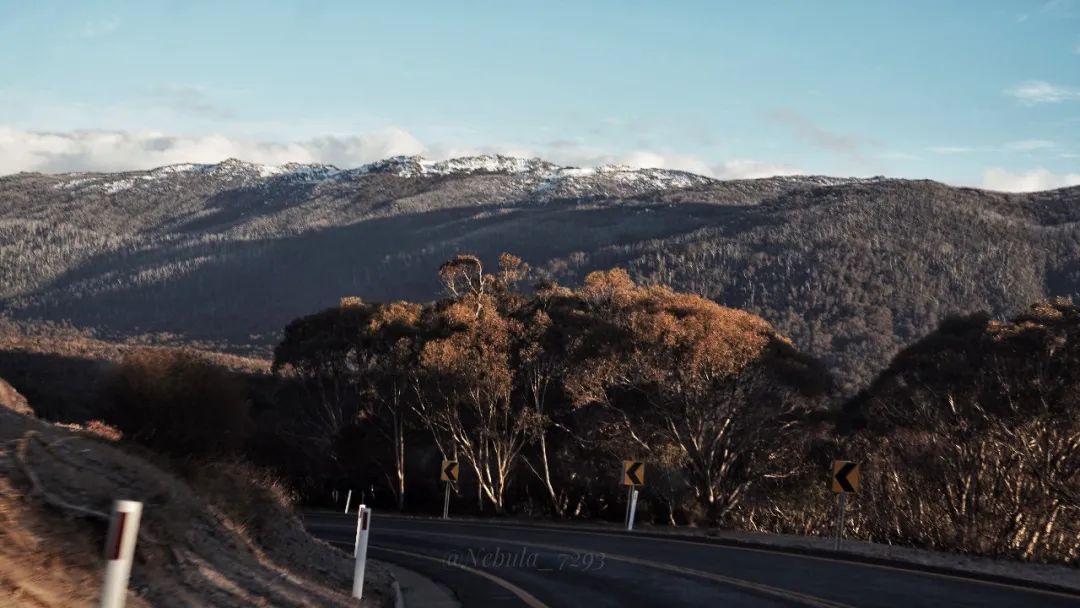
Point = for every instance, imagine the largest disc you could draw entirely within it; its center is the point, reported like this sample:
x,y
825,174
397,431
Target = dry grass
x,y
11,399
66,341
196,547
45,561
61,369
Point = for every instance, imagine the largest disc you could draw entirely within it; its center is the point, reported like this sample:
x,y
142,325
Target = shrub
x,y
178,403
97,429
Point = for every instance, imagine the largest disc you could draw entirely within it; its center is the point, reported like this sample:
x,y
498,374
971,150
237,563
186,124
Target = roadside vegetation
x,y
968,439
213,532
216,531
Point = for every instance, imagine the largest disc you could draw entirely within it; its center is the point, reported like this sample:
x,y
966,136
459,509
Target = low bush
x,y
177,403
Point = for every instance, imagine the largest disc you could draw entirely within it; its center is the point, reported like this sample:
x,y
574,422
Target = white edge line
x,y
523,595
761,588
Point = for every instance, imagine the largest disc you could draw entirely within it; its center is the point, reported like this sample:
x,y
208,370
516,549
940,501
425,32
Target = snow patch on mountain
x,y
540,176
118,185
170,170
488,163
530,175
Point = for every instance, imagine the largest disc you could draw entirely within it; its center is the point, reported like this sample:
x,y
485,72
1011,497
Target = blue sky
x,y
977,92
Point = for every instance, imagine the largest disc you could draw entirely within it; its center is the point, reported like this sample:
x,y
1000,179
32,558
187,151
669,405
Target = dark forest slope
x,y
850,269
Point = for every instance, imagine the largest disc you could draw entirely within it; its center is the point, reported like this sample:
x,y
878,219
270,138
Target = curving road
x,y
495,564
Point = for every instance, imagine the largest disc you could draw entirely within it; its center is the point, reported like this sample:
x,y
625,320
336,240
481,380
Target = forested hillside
x,y
985,415
968,440
853,273
850,270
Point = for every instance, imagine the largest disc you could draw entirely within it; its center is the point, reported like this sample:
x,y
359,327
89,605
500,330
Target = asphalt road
x,y
497,565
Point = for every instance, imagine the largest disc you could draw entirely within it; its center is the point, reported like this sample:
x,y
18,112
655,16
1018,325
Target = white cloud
x,y
997,178
951,149
22,150
97,28
1029,145
659,160
899,155
567,152
1023,145
751,169
1039,91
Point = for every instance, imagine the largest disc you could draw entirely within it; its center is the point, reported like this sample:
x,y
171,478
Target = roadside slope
x,y
56,487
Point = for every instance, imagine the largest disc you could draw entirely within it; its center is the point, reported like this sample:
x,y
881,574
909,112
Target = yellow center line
x,y
529,599
785,594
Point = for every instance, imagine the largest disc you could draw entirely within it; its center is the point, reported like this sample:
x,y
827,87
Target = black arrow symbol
x,y
631,473
841,476
451,471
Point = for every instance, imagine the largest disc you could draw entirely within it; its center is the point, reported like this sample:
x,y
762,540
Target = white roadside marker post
x,y
633,509
359,517
119,551
348,499
363,523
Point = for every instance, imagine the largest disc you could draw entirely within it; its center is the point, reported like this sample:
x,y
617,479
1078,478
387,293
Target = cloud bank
x,y
58,152
98,150
997,178
101,150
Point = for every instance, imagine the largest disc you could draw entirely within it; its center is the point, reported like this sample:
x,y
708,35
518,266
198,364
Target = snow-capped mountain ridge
x,y
541,174
544,178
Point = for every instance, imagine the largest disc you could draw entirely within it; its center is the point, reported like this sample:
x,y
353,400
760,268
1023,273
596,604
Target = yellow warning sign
x,y
633,473
845,476
449,471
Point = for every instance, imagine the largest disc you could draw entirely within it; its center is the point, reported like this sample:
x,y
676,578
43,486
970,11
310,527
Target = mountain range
x,y
851,269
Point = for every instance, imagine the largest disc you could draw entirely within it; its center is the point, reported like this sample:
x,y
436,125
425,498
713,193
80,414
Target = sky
x,y
979,92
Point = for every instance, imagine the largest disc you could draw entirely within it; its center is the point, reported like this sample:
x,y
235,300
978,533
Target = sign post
x,y
119,551
845,480
363,525
448,474
348,499
633,476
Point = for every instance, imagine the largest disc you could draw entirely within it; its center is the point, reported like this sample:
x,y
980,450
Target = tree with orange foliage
x,y
688,383
498,378
393,339
471,406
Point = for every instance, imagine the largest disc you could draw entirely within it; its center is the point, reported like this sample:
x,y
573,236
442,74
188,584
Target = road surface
x,y
506,565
